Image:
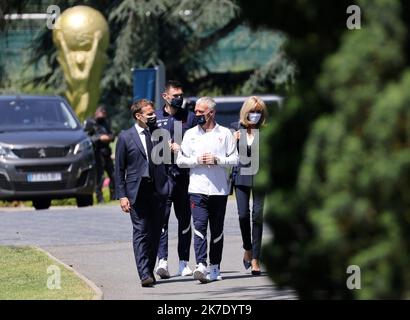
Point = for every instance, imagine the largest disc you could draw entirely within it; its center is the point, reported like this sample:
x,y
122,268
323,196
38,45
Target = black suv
x,y
44,152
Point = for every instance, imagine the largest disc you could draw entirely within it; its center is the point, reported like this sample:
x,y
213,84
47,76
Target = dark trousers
x,y
104,163
147,214
179,196
251,240
208,209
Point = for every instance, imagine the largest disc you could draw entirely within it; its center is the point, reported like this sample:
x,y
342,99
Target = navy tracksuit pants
x,y
179,196
208,209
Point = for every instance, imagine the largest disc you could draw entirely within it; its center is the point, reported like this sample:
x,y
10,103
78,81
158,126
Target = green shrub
x,y
342,196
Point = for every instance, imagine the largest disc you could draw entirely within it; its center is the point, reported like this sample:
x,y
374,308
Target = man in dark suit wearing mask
x,y
142,187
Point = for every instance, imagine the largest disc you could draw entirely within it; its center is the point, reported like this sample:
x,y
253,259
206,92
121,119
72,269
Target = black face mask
x,y
100,120
201,120
152,122
177,102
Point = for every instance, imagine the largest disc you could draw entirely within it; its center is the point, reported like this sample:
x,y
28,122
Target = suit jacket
x,y
130,165
237,178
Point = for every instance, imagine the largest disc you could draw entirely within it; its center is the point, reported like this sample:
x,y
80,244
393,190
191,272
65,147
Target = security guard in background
x,y
101,135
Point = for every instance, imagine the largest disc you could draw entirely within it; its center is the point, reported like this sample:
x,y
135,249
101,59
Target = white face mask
x,y
254,117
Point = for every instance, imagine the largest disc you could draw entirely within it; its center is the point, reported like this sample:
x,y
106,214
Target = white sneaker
x,y
200,273
162,269
184,269
214,273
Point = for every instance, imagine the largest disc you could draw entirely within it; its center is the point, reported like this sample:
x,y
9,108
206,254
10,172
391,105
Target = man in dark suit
x,y
142,188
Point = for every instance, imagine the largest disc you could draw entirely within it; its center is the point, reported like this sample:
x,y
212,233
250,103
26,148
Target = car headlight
x,y
83,146
7,153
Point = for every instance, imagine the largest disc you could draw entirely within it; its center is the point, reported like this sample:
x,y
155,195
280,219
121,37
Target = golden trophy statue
x,y
81,36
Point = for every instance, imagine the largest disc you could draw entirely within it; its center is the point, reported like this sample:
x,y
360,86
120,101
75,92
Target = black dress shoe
x,y
147,282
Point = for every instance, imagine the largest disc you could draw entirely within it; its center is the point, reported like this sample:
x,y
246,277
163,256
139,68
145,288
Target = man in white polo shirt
x,y
208,149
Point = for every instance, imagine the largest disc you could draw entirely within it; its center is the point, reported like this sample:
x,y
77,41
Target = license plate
x,y
43,177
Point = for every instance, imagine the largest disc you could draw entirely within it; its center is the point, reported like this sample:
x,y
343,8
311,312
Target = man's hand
x,y
105,138
207,158
237,135
174,147
125,205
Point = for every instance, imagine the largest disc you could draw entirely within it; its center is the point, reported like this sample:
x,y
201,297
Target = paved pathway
x,y
96,241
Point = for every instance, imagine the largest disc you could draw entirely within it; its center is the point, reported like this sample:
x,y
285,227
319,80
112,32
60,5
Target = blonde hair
x,y
253,104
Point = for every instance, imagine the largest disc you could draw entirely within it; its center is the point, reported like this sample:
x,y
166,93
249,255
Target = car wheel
x,y
85,200
41,204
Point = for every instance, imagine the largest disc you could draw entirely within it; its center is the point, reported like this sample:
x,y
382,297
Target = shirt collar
x,y
139,128
177,114
164,113
216,128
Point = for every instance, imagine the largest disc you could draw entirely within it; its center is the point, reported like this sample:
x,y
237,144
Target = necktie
x,y
149,144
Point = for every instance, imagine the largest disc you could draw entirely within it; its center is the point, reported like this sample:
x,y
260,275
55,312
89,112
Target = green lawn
x,y
23,276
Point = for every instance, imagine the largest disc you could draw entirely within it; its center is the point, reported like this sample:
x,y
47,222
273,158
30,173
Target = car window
x,y
36,114
227,112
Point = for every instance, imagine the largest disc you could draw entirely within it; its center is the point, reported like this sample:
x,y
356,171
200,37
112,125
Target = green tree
x,y
179,34
339,152
12,6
